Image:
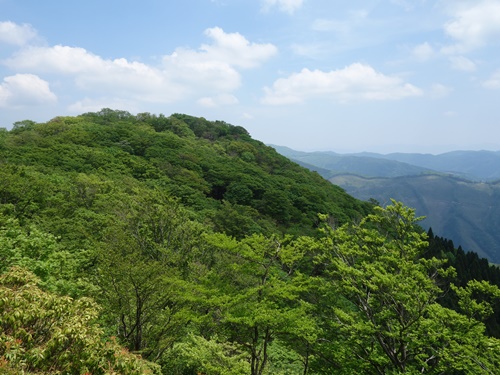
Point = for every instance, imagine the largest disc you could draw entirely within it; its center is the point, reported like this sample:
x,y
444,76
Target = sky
x,y
313,75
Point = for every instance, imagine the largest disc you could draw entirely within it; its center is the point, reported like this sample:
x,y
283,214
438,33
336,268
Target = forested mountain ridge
x,y
200,162
203,251
474,165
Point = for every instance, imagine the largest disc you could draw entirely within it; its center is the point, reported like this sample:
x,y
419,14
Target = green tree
x,y
45,333
143,273
382,308
256,295
42,254
198,355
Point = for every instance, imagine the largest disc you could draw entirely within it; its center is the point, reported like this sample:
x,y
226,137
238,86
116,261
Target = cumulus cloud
x,y
288,6
12,33
462,63
473,24
213,68
493,82
23,90
235,49
92,72
354,82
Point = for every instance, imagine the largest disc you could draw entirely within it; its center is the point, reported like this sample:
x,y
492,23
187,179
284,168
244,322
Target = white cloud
x,y
22,90
288,6
92,72
473,24
462,63
423,52
12,33
234,49
493,82
356,81
213,68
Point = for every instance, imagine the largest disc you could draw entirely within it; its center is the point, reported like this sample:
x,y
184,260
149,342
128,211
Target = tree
x,y
256,295
42,254
142,273
384,315
41,332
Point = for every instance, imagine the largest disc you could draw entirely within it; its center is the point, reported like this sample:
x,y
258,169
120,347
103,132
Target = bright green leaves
x,y
42,254
383,299
144,270
259,295
44,333
208,356
477,298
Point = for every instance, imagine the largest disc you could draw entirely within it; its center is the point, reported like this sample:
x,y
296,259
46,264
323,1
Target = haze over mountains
x,y
458,192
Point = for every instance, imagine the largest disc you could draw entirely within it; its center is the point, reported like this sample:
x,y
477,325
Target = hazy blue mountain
x,y
475,165
464,211
330,163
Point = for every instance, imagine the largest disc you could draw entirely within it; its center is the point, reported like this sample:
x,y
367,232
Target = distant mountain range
x,y
458,192
472,165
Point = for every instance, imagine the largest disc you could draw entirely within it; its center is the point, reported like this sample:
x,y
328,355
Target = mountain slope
x,y
459,209
330,163
229,180
476,165
464,211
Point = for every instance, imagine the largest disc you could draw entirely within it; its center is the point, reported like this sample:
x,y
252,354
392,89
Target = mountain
x,y
330,163
473,165
233,182
445,188
465,211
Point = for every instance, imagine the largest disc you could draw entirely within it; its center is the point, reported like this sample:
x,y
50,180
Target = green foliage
x,y
44,333
383,298
258,295
475,300
200,247
197,355
140,269
42,254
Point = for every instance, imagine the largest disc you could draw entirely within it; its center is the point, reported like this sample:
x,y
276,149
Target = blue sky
x,y
347,76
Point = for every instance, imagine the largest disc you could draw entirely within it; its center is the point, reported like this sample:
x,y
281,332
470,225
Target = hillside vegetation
x,y
136,244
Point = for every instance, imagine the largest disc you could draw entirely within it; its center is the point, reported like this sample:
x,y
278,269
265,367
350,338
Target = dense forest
x,y
146,244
